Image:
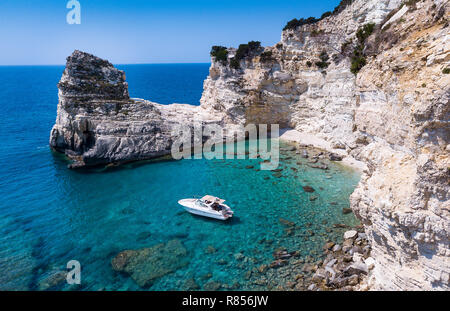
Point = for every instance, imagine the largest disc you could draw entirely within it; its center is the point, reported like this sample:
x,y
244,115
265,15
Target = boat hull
x,y
189,206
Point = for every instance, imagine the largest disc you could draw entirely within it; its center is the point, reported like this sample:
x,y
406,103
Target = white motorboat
x,y
208,206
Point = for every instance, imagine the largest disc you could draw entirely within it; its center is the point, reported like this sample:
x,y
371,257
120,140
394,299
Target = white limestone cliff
x,y
393,116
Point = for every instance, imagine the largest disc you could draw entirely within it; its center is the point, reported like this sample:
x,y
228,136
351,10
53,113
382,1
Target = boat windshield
x,y
210,205
201,203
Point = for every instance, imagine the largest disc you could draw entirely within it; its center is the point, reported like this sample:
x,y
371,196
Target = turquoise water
x,y
50,215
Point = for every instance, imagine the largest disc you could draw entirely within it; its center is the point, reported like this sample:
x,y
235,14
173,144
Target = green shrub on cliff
x,y
325,15
294,23
243,51
235,63
446,71
341,6
266,56
364,32
316,32
323,63
357,63
358,58
220,53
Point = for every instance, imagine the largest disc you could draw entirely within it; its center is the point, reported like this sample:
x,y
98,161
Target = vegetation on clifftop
x,y
294,23
341,6
266,56
220,53
252,48
243,51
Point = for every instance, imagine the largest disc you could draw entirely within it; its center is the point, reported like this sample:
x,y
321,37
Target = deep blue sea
x,y
50,214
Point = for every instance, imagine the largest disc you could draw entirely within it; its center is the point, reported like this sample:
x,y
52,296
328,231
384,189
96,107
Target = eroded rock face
x,y
98,123
287,88
404,109
394,116
148,264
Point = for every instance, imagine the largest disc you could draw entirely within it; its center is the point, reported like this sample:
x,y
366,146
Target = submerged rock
x,y
313,198
289,148
335,157
148,264
210,249
53,281
277,174
278,263
190,284
346,210
286,222
321,166
342,226
212,286
308,189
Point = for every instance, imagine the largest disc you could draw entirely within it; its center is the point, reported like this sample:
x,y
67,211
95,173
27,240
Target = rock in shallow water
x,y
212,286
335,157
308,189
53,281
190,284
313,198
350,234
147,264
346,210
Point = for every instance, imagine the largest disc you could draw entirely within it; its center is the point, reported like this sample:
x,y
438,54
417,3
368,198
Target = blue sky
x,y
142,31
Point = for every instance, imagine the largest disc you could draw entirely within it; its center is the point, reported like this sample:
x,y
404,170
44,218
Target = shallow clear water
x,y
50,215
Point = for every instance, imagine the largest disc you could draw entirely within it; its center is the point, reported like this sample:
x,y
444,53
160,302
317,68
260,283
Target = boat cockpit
x,y
212,202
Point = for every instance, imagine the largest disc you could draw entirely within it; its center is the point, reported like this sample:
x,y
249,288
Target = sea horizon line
x,y
115,64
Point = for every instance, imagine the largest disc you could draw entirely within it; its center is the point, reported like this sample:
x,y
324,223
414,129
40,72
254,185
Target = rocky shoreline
x,y
310,141
345,267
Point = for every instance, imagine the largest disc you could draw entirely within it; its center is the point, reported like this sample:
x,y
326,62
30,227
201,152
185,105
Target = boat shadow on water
x,y
235,220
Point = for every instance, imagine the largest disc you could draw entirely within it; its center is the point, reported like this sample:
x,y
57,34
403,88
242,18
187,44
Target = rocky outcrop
x,y
98,123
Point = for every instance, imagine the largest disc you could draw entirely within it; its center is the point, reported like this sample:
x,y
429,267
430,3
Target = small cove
x,y
51,215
